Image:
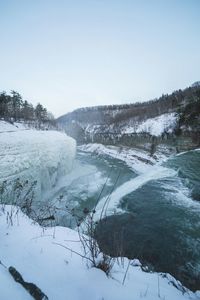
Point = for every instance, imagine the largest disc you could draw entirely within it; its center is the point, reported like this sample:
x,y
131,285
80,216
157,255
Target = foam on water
x,y
107,205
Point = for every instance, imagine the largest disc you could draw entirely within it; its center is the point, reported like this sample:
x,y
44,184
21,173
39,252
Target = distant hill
x,y
109,123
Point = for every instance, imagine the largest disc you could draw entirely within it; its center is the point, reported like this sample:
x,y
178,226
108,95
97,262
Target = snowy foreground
x,y
61,274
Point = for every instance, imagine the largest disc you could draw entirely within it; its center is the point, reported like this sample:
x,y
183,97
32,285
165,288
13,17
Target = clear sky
x,y
70,54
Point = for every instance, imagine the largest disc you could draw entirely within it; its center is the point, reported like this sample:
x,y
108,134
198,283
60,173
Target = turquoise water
x,y
160,223
159,220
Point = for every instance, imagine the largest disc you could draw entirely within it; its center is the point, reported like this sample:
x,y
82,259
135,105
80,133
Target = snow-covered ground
x,y
41,156
61,274
155,126
9,127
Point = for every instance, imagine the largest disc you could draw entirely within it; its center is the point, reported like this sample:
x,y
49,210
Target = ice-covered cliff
x,y
33,159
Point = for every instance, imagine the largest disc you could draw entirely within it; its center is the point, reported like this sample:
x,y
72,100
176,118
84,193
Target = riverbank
x,y
138,160
61,273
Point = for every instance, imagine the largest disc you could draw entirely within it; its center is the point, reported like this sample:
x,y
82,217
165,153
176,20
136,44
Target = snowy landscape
x,y
48,256
100,150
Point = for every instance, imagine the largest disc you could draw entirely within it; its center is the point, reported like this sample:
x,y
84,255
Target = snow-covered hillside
x,y
154,126
154,122
42,157
138,131
61,274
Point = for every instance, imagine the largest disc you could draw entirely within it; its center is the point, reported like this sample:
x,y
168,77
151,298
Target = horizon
x,y
71,55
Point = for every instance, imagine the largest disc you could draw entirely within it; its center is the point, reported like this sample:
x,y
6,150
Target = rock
x,y
33,290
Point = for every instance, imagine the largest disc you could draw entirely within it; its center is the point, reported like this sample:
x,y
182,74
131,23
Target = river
x,y
154,215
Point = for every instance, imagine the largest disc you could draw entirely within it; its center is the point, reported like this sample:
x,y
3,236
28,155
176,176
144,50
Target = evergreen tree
x,y
16,102
13,108
27,111
4,99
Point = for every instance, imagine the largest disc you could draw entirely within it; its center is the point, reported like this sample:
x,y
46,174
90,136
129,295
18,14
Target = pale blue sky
x,y
70,54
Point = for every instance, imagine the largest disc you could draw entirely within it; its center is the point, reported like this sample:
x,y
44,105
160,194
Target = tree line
x,y
116,114
189,115
13,108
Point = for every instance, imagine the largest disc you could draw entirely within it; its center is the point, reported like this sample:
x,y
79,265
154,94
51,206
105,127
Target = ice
x,y
82,183
31,155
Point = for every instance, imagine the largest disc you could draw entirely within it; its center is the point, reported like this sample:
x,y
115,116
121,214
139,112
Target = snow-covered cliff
x,y
31,158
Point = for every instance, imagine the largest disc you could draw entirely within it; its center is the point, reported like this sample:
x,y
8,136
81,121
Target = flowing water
x,y
155,216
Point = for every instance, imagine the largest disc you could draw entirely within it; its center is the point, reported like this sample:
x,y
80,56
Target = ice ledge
x,y
41,156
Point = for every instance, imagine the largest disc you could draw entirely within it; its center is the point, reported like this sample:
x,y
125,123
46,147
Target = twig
x,y
3,265
83,256
126,272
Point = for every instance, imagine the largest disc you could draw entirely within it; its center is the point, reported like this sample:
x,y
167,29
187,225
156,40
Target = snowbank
x,y
61,274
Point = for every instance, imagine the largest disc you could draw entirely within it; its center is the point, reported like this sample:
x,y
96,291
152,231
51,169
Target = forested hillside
x,y
167,117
